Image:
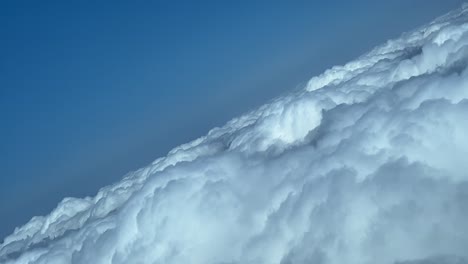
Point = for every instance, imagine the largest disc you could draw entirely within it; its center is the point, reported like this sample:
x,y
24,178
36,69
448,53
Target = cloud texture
x,y
367,164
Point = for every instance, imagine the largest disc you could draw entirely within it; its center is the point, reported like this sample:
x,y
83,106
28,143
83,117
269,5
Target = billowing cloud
x,y
367,164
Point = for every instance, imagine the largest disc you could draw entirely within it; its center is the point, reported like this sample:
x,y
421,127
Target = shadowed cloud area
x,y
364,163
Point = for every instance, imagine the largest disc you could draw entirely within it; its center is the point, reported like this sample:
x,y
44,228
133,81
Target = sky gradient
x,y
90,91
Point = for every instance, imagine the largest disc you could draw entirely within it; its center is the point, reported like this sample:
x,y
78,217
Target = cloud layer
x,y
366,164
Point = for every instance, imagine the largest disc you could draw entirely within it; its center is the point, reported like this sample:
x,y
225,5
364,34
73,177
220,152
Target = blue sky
x,y
91,90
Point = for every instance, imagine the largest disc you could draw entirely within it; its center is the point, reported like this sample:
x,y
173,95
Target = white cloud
x,y
366,165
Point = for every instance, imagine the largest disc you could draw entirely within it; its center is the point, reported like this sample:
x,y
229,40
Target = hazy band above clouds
x,y
367,164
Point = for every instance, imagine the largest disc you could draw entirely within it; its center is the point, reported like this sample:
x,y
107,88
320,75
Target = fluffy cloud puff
x,y
367,164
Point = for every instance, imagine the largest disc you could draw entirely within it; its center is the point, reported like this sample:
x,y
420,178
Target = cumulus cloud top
x,y
366,164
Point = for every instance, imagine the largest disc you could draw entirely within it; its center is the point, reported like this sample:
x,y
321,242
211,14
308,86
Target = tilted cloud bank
x,y
367,164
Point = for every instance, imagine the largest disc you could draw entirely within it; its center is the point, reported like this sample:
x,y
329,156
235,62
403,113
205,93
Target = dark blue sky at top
x,y
90,90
